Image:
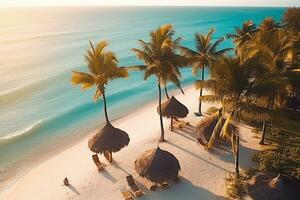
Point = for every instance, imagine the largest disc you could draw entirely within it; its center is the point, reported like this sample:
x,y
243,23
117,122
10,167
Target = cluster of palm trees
x,y
255,83
252,84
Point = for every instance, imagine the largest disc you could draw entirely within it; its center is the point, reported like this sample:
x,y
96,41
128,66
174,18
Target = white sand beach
x,y
202,173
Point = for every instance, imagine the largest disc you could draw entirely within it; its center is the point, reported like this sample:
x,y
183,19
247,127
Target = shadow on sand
x,y
71,187
223,151
108,176
183,190
197,156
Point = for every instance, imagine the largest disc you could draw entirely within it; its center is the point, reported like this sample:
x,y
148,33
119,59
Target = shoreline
x,y
48,175
71,141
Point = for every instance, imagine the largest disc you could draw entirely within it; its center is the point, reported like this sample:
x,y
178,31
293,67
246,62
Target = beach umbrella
x,y
173,108
157,165
266,187
108,139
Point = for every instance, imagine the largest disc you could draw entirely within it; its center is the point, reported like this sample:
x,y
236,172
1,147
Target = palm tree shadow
x,y
116,165
71,187
220,151
187,130
197,156
183,190
108,176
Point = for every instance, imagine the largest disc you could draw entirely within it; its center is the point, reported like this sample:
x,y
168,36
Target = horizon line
x,y
138,5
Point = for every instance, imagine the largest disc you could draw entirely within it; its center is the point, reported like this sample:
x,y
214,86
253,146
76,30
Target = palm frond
x,y
84,79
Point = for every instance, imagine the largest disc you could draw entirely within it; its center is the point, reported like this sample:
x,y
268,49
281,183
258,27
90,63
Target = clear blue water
x,y
40,110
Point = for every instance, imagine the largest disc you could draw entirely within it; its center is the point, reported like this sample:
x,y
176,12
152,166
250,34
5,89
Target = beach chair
x,y
98,163
126,194
152,187
135,190
163,184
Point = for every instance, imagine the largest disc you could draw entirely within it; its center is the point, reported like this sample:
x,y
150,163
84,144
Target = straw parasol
x,y
266,187
157,165
109,139
173,108
206,126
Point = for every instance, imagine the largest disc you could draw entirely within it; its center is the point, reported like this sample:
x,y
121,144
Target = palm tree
x,y
291,18
231,78
161,60
205,54
243,35
273,80
103,67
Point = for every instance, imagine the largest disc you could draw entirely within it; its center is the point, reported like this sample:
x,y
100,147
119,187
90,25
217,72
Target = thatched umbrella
x,y
206,126
282,187
173,108
108,139
157,165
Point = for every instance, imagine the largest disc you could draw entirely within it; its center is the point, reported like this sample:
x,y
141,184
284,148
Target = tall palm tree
x,y
243,35
291,18
161,60
273,81
103,67
231,78
205,54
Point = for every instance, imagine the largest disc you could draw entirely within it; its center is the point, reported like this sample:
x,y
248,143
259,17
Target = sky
x,y
279,3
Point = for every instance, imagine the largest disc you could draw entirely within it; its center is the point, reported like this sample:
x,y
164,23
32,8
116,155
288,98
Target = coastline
x,y
76,164
12,180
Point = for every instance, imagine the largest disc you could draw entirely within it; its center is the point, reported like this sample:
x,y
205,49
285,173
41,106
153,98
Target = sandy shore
x,y
202,173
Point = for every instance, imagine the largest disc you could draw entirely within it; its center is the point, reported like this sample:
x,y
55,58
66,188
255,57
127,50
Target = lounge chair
x,y
163,184
202,143
126,194
98,163
134,189
152,187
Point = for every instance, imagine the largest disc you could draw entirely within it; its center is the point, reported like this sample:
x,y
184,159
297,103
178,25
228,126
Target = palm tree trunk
x,y
201,90
264,128
105,107
171,123
237,170
166,91
162,132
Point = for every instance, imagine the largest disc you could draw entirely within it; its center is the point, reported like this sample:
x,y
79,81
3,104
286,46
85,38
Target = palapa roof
x,y
272,187
173,108
108,138
157,165
206,126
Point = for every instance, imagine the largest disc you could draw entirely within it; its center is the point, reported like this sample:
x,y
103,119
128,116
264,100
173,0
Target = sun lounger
x,y
135,190
163,184
126,194
98,163
152,187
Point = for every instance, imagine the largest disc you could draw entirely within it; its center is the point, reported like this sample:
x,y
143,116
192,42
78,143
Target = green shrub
x,y
284,158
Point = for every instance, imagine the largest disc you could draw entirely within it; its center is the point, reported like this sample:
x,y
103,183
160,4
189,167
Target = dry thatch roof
x,y
206,126
157,165
282,187
173,108
108,138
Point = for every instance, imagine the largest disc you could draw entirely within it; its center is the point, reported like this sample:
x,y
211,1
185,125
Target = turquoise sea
x,y
40,111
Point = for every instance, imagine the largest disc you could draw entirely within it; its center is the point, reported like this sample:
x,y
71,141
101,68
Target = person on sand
x,y
66,181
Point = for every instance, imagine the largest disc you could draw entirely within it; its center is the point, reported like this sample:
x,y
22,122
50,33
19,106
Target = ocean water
x,y
40,111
